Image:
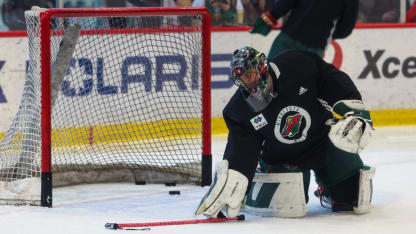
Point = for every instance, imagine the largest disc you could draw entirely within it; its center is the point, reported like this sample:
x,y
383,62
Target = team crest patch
x,y
292,125
258,122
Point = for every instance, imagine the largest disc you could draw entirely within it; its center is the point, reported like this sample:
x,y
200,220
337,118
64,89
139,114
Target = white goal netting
x,y
129,105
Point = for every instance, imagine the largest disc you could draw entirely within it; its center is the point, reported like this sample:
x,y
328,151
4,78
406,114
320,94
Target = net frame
x,y
45,66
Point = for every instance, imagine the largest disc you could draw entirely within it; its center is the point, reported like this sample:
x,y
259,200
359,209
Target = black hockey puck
x,y
140,182
170,184
174,192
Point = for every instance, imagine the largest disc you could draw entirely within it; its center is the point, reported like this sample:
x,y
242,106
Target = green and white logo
x,y
258,122
292,125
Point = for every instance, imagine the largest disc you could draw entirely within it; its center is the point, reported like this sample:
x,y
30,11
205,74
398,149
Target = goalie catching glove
x,y
227,191
353,131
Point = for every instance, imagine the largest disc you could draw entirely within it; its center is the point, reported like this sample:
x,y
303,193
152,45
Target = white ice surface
x,y
86,208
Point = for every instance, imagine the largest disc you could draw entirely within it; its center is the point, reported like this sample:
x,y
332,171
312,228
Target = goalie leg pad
x,y
227,190
365,191
277,195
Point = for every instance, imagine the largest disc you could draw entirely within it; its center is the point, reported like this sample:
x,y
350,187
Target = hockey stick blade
x,y
112,226
124,226
115,226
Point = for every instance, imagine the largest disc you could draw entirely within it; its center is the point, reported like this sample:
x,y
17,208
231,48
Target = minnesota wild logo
x,y
292,125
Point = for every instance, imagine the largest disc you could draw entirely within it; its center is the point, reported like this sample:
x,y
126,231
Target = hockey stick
x,y
126,226
63,58
59,68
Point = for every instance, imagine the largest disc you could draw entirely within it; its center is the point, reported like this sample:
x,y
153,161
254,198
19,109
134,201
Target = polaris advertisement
x,y
381,62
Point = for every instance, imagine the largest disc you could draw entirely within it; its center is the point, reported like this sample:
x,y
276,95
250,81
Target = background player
x,y
310,25
276,115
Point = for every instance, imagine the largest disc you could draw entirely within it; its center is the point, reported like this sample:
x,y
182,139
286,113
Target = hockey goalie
x,y
291,114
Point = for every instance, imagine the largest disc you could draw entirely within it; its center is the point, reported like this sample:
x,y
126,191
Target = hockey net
x,y
110,95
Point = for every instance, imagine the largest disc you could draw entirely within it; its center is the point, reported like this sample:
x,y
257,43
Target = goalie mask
x,y
250,71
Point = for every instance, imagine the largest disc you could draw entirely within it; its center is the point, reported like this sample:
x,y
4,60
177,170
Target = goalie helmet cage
x,y
111,94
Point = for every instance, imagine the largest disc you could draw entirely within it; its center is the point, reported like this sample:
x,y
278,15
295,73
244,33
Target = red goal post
x,y
176,112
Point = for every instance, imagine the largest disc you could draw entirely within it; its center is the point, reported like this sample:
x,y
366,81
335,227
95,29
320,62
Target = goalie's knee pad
x,y
277,195
365,191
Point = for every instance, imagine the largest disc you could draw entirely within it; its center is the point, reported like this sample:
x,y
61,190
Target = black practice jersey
x,y
314,22
291,129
